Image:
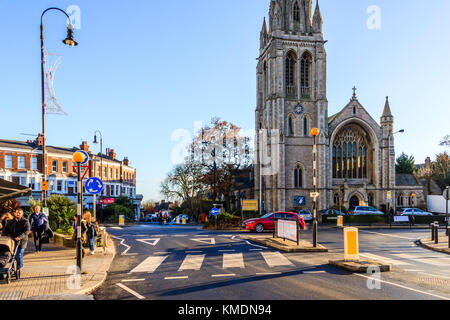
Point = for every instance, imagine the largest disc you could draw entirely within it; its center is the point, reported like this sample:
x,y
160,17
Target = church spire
x,y
317,20
387,109
264,35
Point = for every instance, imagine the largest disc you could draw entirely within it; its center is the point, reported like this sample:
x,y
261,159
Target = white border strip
x,y
134,293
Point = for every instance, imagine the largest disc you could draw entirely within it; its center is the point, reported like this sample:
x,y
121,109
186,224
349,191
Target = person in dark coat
x,y
38,222
18,229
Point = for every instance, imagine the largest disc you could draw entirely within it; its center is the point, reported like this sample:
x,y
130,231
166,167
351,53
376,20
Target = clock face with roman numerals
x,y
299,109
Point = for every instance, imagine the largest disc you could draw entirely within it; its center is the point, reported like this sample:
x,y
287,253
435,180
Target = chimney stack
x,y
112,154
126,161
84,146
39,140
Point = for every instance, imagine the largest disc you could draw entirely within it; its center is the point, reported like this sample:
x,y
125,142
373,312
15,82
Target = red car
x,y
266,222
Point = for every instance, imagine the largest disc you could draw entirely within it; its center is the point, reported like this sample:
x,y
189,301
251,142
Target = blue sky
x,y
145,68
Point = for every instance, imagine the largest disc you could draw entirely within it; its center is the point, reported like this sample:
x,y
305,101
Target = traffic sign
x,y
446,194
214,211
389,195
44,186
249,205
94,186
84,170
315,194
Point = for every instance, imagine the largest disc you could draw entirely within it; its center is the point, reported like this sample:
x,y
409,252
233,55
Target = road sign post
x,y
94,186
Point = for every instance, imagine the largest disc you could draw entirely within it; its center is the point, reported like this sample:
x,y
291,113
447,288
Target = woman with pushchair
x,y
39,224
18,229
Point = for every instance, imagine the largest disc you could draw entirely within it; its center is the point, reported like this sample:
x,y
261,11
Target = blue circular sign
x,y
214,211
86,157
94,186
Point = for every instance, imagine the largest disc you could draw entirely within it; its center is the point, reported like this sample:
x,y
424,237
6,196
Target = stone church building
x,y
356,155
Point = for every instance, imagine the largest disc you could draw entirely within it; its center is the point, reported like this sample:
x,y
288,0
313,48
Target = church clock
x,y
299,109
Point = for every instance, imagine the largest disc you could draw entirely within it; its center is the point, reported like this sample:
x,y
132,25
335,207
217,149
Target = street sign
x,y
214,211
84,171
249,205
389,195
299,201
86,157
94,186
314,194
44,186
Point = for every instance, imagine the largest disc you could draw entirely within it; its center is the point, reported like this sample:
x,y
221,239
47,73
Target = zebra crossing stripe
x,y
434,261
192,262
275,259
384,259
233,260
150,264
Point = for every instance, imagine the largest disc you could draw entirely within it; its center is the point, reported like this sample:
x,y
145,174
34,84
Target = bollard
x,y
432,231
351,244
436,236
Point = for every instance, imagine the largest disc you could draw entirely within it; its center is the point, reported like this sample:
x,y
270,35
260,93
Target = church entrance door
x,y
354,201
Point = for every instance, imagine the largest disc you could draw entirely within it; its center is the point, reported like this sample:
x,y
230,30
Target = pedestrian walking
x,y
39,223
18,229
91,231
159,217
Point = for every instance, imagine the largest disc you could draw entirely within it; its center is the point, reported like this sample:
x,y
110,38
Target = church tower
x,y
291,100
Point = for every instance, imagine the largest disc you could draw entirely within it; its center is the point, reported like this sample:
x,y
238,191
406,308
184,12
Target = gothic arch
x,y
306,74
373,147
359,195
290,72
308,119
299,176
291,125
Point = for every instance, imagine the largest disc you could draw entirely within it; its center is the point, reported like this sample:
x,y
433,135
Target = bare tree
x,y
446,141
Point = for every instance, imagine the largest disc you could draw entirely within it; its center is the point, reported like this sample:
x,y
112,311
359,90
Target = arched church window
x,y
296,12
266,82
291,126
305,126
291,90
305,74
350,155
400,200
298,177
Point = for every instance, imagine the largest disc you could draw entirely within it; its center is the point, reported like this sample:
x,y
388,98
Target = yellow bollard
x,y
121,220
184,221
340,221
351,244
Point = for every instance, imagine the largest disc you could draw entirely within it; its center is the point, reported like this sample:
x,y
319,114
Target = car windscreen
x,y
268,215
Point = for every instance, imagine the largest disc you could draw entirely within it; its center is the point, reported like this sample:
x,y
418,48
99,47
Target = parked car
x,y
332,212
360,210
417,212
266,222
181,217
306,215
148,218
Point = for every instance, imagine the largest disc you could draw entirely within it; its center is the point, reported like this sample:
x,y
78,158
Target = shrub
x,y
112,212
225,220
61,212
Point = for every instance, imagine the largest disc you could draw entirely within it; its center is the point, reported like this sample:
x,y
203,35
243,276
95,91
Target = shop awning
x,y
9,190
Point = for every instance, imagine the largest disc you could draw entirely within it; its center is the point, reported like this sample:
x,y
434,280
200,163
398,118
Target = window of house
x,y
65,167
104,172
34,163
21,162
59,185
110,173
55,166
298,177
23,181
32,184
8,161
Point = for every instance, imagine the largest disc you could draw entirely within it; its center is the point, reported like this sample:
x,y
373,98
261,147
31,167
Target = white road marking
x,y
255,249
134,293
125,253
116,228
161,253
384,259
254,245
180,235
150,264
230,250
223,275
233,260
434,261
206,240
313,272
152,242
400,286
275,259
176,278
192,262
388,235
412,270
133,280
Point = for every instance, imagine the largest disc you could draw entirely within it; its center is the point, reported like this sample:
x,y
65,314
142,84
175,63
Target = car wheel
x,y
259,228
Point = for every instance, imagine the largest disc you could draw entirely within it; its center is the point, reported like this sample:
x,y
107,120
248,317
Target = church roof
x,y
406,180
387,109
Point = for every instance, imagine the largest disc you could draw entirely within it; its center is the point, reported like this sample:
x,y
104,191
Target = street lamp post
x,y
101,167
315,133
389,166
69,42
78,158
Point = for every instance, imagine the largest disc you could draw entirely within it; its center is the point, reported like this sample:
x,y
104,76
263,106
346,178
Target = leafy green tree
x,y
441,170
112,212
124,201
405,164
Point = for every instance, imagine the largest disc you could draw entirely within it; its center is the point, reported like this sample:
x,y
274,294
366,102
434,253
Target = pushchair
x,y
8,262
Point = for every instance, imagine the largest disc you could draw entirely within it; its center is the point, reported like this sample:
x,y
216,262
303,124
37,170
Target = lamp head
x,y
402,131
95,139
69,39
315,132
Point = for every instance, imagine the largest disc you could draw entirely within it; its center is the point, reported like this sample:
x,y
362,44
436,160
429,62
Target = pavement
x,y
50,275
442,246
188,263
282,244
